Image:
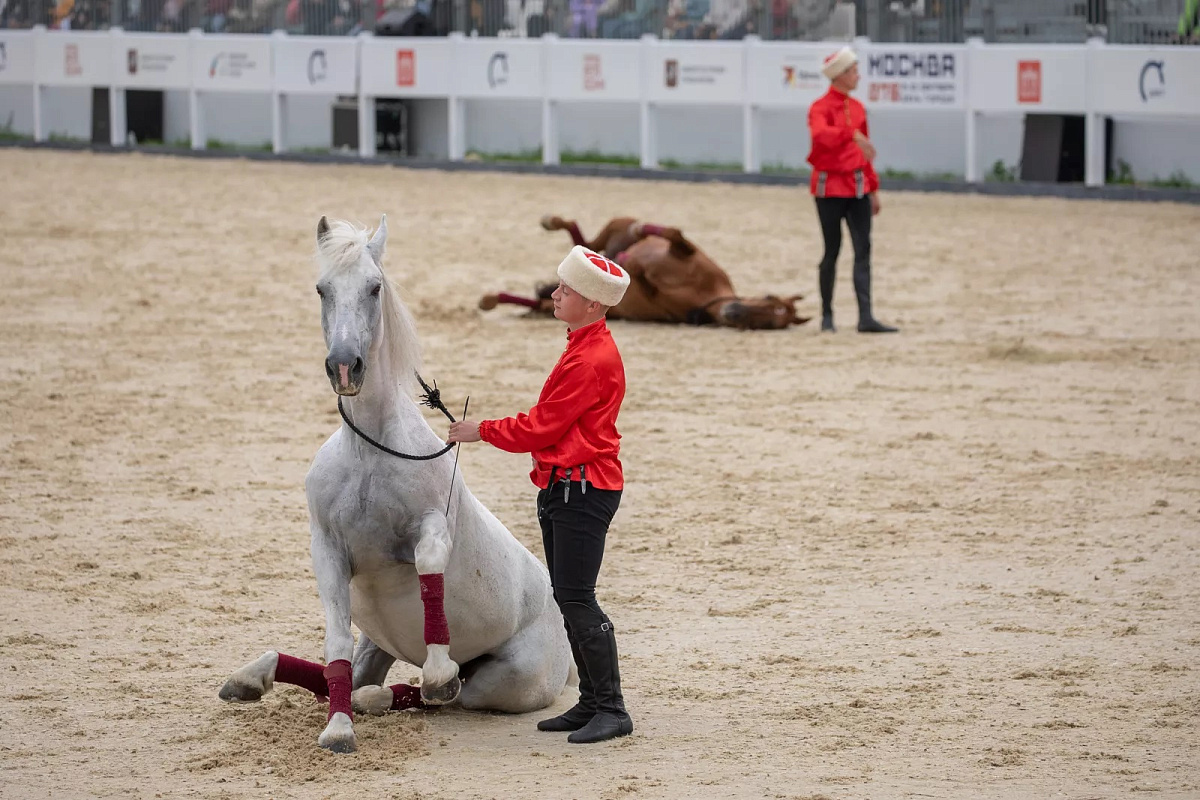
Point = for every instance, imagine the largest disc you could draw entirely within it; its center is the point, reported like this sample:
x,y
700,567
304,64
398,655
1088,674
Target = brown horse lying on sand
x,y
670,280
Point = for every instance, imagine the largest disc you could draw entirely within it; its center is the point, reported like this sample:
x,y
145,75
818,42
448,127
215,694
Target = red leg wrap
x,y
405,696
337,675
433,592
576,236
516,300
304,674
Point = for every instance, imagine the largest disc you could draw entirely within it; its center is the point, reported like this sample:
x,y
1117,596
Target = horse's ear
x,y
322,228
376,245
794,298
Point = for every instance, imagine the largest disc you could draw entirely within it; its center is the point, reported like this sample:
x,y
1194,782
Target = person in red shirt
x,y
845,185
572,436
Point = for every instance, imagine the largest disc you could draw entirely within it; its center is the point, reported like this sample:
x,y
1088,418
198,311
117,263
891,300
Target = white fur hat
x,y
593,276
839,62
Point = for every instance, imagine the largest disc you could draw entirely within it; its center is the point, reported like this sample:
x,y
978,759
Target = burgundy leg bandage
x,y
337,676
576,236
505,297
304,674
433,592
405,696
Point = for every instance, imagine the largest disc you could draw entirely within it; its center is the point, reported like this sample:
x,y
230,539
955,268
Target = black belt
x,y
566,481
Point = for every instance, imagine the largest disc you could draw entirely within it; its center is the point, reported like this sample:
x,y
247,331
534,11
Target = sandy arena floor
x,y
959,562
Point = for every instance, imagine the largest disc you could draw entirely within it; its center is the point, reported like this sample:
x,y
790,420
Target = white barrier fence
x,y
1094,80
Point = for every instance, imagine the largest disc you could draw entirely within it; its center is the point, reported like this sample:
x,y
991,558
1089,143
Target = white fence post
x,y
195,101
750,156
1095,149
550,153
116,94
647,126
39,41
972,118
278,99
456,146
366,103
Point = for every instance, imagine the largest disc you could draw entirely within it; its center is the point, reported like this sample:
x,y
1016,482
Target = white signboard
x,y
232,63
1038,79
407,67
912,76
16,57
786,74
709,73
499,68
579,70
1146,80
152,61
74,59
311,65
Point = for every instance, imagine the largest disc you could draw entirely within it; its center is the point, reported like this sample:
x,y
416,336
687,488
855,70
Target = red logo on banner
x,y
593,77
1029,81
406,68
71,63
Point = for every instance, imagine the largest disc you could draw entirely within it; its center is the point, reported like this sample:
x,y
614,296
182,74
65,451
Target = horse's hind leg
x,y
527,673
570,226
371,663
252,681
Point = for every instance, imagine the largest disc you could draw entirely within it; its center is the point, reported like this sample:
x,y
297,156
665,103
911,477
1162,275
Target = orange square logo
x,y
1029,81
406,68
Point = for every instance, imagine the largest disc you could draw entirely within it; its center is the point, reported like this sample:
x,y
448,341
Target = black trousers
x,y
857,213
573,533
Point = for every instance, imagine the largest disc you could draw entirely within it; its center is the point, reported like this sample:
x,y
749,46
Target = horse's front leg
x,y
332,567
439,674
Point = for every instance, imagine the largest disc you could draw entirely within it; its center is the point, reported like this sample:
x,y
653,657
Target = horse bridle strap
x,y
432,398
389,450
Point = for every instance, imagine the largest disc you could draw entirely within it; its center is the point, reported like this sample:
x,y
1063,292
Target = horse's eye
x,y
320,291
375,290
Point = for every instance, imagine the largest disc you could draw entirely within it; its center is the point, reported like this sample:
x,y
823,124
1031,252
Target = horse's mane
x,y
340,249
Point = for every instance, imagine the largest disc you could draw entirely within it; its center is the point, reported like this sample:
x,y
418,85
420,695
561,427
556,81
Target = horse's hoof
x,y
373,700
236,692
440,695
338,736
252,681
488,302
550,223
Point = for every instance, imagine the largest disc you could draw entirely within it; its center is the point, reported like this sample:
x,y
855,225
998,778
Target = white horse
x,y
386,554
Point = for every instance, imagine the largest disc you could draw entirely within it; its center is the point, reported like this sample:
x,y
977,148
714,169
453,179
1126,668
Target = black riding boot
x,y
598,646
862,289
827,275
582,712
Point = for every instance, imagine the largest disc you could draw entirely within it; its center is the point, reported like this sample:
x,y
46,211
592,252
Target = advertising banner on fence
x,y
786,74
74,59
16,57
499,68
1146,80
579,70
700,73
152,61
407,67
312,65
232,63
912,76
1043,79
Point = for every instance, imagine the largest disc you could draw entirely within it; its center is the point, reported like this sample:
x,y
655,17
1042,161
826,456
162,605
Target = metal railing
x,y
1118,21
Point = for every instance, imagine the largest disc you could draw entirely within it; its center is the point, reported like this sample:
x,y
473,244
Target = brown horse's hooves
x,y
551,223
489,301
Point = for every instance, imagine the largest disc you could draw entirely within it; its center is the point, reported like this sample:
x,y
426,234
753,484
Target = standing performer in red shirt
x,y
844,184
572,435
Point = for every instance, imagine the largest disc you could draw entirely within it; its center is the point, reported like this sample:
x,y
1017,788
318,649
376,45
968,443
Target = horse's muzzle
x,y
346,379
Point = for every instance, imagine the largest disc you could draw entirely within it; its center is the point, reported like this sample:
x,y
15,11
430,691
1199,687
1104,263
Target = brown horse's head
x,y
759,313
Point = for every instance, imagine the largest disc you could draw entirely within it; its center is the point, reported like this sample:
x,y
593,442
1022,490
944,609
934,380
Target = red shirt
x,y
839,167
574,423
